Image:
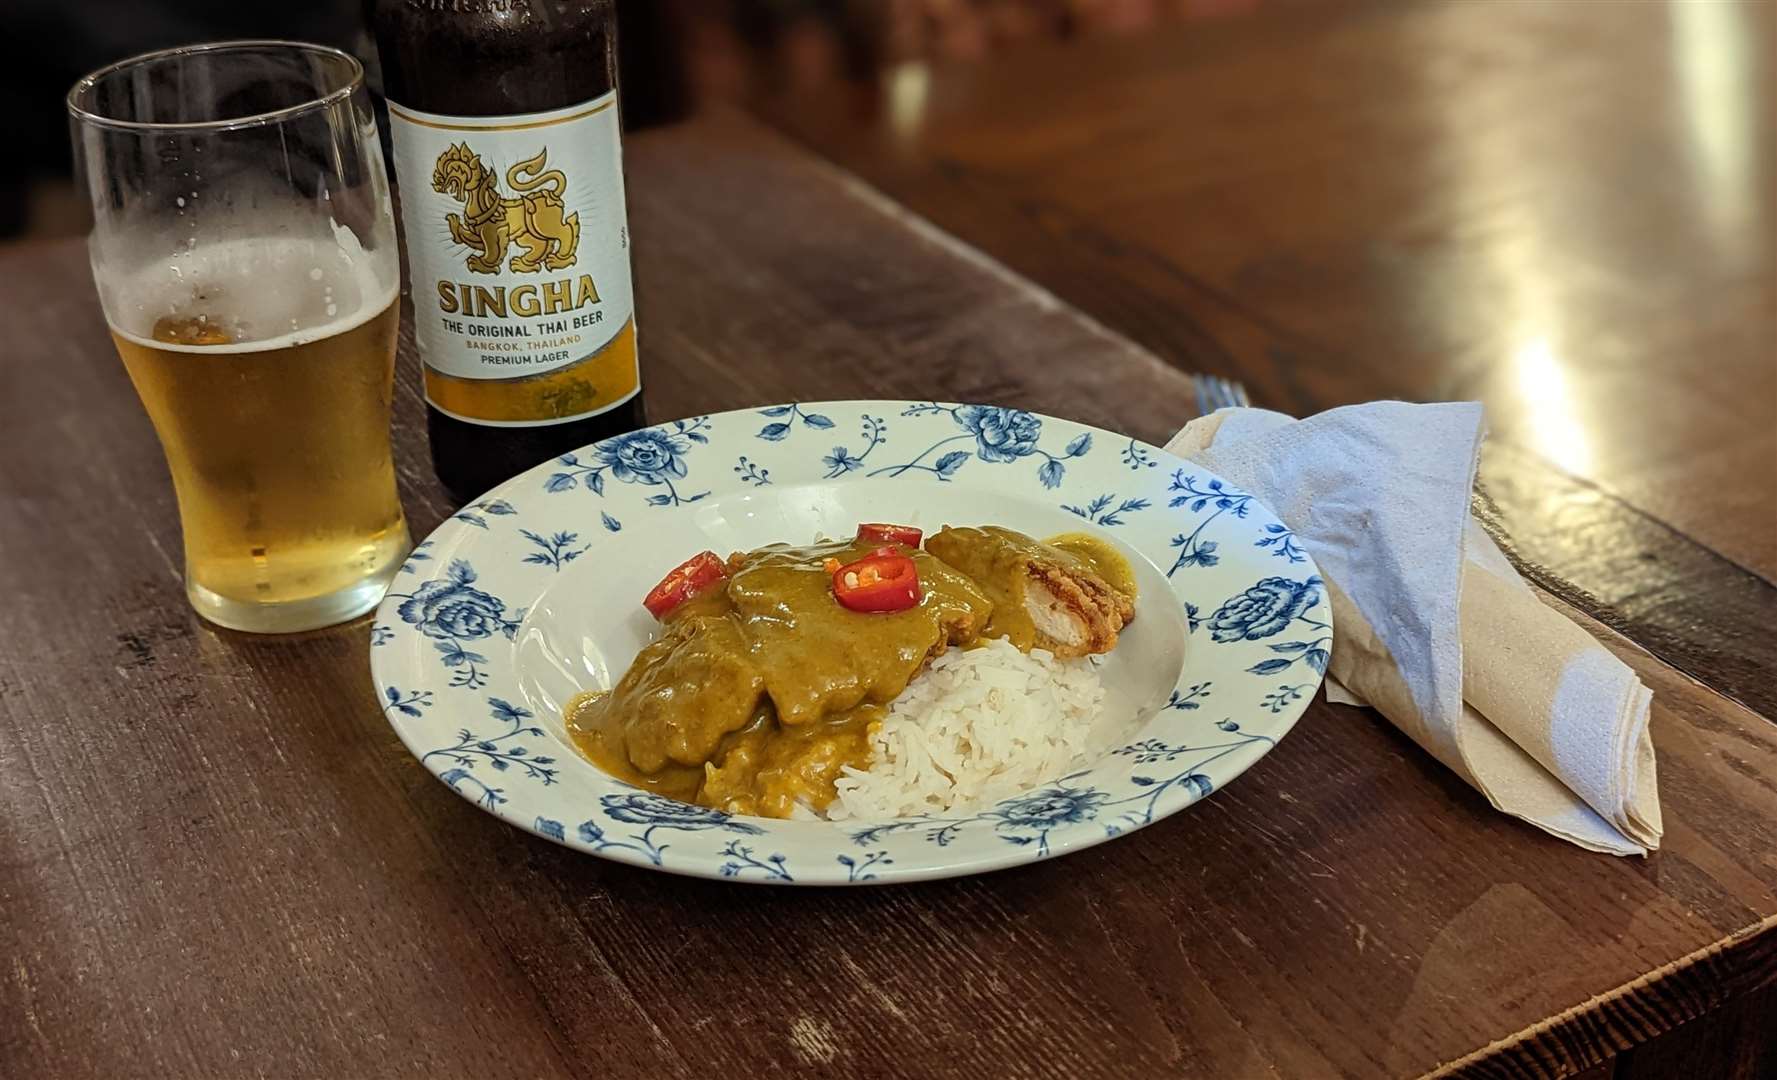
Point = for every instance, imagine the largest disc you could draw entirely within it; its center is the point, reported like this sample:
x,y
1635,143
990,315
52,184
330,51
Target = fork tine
x,y
1237,394
1214,392
1224,396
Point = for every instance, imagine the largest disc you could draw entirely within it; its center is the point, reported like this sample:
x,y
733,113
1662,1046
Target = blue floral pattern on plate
x,y
443,644
451,611
1000,436
654,457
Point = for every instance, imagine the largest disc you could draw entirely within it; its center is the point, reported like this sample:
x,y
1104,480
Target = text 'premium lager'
x,y
504,119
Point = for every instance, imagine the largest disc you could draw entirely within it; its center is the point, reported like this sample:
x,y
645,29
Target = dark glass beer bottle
x,y
503,115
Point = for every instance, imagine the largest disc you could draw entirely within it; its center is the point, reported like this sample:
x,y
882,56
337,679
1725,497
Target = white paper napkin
x,y
1433,626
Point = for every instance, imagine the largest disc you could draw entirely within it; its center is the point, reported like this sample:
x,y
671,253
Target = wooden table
x,y
217,860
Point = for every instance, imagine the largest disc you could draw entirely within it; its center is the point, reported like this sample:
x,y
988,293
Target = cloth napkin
x,y
1432,625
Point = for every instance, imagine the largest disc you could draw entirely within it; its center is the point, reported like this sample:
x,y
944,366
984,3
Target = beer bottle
x,y
503,116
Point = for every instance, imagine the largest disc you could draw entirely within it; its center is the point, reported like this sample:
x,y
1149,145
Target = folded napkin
x,y
1433,626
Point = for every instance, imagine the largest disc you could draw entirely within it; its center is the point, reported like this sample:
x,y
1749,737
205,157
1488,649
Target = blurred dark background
x,y
677,56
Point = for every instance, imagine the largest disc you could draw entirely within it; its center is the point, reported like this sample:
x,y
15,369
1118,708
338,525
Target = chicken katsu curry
x,y
871,677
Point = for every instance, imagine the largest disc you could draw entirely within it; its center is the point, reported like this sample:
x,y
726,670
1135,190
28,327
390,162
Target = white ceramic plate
x,y
532,594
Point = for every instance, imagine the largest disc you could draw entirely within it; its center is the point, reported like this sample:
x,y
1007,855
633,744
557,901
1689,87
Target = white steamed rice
x,y
979,726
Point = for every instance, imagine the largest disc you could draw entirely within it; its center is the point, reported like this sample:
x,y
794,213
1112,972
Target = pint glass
x,y
244,251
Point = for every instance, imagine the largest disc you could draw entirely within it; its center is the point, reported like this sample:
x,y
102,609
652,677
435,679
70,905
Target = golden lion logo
x,y
492,222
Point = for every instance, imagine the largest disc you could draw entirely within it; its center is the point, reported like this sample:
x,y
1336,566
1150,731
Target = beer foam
x,y
266,292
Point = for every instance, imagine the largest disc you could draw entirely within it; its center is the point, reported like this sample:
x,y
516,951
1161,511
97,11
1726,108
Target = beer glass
x,y
244,251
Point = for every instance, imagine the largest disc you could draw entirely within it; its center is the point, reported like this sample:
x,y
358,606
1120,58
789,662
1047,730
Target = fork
x,y
1215,392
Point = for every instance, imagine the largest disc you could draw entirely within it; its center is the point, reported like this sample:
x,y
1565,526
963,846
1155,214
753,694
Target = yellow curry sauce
x,y
760,690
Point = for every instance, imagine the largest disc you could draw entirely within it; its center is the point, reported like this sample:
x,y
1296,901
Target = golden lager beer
x,y
244,249
270,388
504,120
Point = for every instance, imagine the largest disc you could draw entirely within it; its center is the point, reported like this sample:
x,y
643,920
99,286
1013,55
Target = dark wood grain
x,y
217,860
1565,210
1738,1044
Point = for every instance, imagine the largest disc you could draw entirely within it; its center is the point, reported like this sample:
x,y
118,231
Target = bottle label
x,y
518,251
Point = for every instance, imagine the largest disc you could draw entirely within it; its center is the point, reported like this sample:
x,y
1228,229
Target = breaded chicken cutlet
x,y
1043,596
